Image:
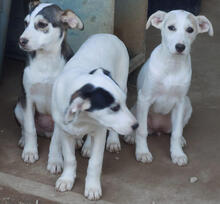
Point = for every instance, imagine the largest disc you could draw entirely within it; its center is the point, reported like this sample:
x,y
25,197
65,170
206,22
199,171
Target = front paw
x,y
30,156
93,191
86,151
64,184
130,139
179,159
113,146
55,166
144,157
79,143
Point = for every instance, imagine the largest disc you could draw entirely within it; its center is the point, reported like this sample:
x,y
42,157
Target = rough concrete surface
x,y
124,180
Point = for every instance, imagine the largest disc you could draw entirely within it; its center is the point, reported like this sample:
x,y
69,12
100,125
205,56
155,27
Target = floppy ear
x,y
156,19
72,20
204,25
76,106
33,3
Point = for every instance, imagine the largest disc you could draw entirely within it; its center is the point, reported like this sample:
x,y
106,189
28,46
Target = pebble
x,y
193,179
117,158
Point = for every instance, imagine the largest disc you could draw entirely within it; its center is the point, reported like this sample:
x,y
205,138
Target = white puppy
x,y
87,99
164,80
44,39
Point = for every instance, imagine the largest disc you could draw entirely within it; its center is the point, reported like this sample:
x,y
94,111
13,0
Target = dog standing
x,y
44,39
89,97
164,80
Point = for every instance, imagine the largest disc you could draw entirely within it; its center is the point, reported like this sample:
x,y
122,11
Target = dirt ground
x,y
124,180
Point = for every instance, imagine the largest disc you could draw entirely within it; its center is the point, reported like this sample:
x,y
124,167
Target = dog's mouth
x,y
25,48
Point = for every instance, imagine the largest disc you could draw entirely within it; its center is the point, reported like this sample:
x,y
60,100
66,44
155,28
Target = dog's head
x,y
46,25
103,100
179,29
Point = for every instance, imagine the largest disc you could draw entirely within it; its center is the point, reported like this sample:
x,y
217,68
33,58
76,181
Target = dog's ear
x,y
72,20
78,104
33,3
79,101
156,19
204,25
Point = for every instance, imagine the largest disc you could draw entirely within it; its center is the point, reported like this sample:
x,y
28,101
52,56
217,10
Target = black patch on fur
x,y
51,14
106,72
66,51
99,97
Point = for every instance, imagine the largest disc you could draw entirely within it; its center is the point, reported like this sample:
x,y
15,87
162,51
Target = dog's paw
x,y
79,143
130,139
144,157
179,159
30,156
55,167
64,184
21,142
183,142
113,146
86,151
93,192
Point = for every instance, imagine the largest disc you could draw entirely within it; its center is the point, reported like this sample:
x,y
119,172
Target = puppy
x,y
89,98
164,80
44,40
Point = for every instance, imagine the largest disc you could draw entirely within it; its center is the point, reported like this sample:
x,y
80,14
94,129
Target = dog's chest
x,y
168,92
38,82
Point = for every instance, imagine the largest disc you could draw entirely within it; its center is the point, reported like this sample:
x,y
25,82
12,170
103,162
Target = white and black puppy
x,y
164,81
44,39
88,98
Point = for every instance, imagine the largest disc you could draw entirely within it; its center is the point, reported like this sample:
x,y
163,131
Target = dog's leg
x,y
176,143
19,114
142,152
55,159
30,152
187,116
93,189
113,142
67,179
86,149
130,139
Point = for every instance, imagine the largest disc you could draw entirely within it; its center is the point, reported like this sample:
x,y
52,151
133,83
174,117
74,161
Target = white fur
x,y
38,79
108,52
164,80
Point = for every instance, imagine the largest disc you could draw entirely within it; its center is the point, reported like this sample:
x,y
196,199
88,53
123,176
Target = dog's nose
x,y
135,126
23,41
180,47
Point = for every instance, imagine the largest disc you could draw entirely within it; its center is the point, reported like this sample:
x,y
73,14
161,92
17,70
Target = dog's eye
x,y
189,30
42,25
115,108
172,28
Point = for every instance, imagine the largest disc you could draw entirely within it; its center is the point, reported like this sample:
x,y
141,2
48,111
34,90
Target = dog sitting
x,y
44,39
89,97
164,80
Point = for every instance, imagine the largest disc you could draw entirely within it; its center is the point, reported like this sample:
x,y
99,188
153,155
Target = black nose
x,y
180,47
23,41
135,126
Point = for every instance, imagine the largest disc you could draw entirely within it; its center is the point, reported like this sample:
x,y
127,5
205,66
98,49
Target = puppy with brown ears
x,y
164,81
44,40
